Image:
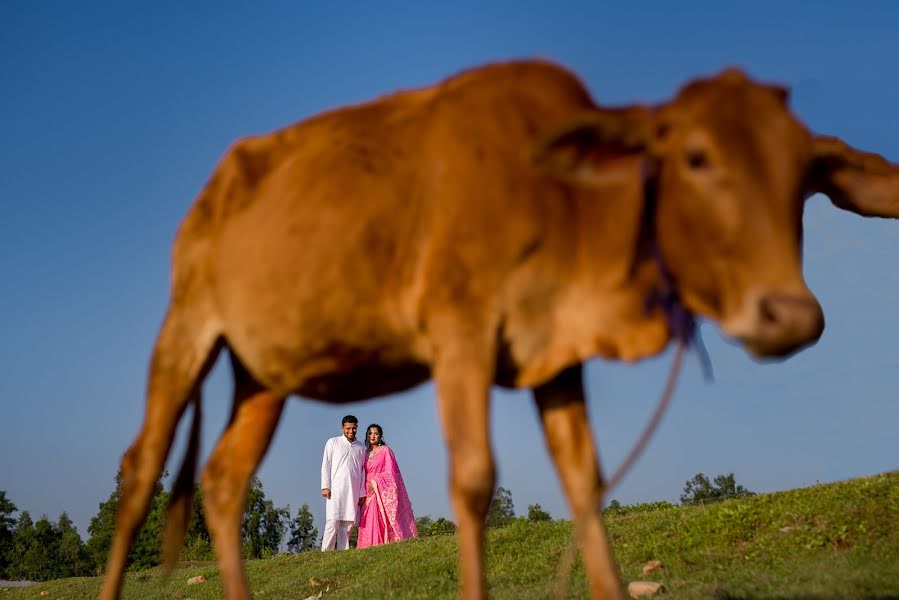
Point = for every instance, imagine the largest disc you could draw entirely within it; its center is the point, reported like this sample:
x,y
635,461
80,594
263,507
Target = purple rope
x,y
681,322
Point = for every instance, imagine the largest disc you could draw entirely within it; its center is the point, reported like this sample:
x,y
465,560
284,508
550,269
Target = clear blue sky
x,y
112,116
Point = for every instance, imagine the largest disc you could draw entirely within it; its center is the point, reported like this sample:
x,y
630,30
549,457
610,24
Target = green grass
x,y
839,540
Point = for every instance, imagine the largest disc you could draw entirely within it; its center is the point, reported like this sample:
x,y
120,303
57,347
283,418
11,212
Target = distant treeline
x,y
43,550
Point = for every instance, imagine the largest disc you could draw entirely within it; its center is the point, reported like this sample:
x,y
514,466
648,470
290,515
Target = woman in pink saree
x,y
387,515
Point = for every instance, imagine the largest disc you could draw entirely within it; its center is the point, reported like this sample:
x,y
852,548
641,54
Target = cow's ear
x,y
585,149
860,182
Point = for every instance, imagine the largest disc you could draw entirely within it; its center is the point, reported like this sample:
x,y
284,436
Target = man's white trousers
x,y
337,535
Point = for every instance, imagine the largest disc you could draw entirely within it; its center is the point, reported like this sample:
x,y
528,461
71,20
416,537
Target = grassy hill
x,y
838,540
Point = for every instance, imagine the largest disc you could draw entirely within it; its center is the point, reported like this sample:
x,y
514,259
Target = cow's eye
x,y
697,159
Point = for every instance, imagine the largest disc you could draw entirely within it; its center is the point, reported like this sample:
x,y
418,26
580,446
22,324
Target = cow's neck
x,y
602,310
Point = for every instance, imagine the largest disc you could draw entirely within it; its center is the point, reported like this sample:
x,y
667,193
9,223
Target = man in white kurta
x,y
343,484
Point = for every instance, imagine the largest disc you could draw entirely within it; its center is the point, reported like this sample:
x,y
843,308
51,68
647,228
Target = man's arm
x,y
363,492
326,471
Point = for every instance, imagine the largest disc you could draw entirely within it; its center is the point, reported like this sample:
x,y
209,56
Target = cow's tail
x,y
182,495
190,258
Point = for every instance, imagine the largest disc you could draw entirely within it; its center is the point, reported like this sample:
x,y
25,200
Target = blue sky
x,y
112,116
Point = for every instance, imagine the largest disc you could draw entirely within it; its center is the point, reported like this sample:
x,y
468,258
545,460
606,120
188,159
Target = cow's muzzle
x,y
783,325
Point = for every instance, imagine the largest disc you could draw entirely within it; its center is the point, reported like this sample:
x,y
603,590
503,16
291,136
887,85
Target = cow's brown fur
x,y
489,229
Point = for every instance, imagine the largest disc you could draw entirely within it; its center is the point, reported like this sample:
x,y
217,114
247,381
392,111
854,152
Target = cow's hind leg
x,y
237,454
563,415
184,352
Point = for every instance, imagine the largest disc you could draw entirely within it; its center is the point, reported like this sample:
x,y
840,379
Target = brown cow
x,y
497,228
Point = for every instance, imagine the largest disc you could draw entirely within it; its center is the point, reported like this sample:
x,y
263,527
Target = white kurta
x,y
343,472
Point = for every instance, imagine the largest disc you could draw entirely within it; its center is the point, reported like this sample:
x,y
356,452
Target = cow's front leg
x,y
563,415
463,373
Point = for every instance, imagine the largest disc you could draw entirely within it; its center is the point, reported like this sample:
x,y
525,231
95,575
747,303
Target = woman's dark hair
x,y
381,442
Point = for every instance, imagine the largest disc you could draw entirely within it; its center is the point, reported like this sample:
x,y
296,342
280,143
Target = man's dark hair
x,y
349,419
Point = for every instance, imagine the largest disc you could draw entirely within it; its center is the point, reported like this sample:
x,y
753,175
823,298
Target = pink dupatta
x,y
387,515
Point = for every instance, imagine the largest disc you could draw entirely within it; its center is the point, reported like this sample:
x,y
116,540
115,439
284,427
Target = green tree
x,y
21,542
696,490
428,527
442,526
102,526
502,510
145,553
303,534
7,532
73,559
198,542
38,562
613,506
700,489
145,550
263,524
44,550
536,513
729,487
197,527
423,525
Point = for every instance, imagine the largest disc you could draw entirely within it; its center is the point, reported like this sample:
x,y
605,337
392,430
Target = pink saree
x,y
387,515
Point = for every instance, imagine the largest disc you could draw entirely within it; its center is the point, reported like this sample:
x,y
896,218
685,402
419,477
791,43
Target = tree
x,y
21,542
502,510
442,526
37,562
303,534
263,524
428,527
536,513
7,532
73,559
198,542
102,527
145,550
729,487
423,525
613,505
700,489
145,553
44,550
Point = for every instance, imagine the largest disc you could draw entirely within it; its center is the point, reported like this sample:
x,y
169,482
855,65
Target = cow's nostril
x,y
790,318
784,324
767,311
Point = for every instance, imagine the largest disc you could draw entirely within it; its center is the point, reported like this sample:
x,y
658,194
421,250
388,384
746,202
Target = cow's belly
x,y
332,359
329,370
362,382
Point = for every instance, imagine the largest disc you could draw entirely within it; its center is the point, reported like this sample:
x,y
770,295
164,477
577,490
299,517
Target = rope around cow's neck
x,y
683,327
626,464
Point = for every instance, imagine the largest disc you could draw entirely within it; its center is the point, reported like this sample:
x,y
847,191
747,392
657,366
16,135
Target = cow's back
x,y
323,242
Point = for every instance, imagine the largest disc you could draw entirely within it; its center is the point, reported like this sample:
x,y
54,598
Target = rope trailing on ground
x,y
596,503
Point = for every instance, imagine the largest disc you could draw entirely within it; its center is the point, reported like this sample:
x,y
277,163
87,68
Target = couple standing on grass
x,y
362,482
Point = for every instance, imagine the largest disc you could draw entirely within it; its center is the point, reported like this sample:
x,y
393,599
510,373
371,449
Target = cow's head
x,y
731,168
